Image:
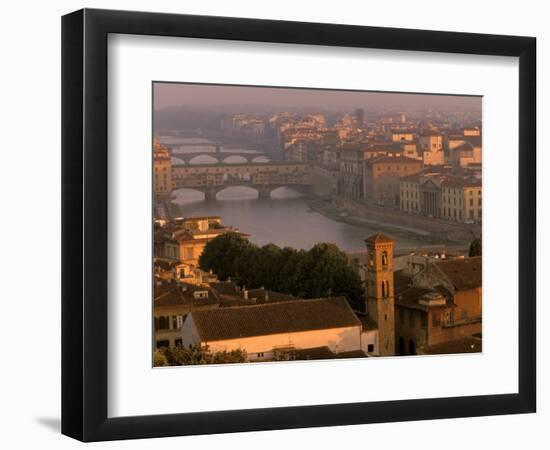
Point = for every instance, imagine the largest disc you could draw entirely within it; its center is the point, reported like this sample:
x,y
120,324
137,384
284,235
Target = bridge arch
x,y
235,159
260,159
246,192
192,159
191,194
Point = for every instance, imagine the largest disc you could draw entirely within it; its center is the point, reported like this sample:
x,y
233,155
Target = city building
x,y
195,233
463,149
171,304
431,145
162,171
441,195
382,177
438,305
398,135
461,200
266,330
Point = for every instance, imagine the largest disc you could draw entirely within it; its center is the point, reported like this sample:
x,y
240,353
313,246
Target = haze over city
x,y
303,224
178,95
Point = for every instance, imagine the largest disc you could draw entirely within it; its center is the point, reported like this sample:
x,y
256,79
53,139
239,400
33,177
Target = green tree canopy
x,y
323,271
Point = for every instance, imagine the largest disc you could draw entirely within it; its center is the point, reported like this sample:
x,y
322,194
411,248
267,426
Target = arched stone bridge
x,y
220,157
264,177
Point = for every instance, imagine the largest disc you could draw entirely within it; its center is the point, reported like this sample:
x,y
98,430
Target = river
x,y
286,219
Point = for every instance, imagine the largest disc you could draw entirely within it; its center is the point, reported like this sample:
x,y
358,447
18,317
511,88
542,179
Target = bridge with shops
x,y
263,177
217,150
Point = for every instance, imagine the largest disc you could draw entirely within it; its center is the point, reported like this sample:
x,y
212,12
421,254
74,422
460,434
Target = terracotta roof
x,y
393,159
165,263
264,296
461,182
409,299
474,140
430,133
274,318
401,281
172,294
466,146
226,288
462,273
379,238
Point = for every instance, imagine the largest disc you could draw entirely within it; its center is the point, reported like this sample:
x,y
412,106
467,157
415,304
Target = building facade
x,y
383,175
431,145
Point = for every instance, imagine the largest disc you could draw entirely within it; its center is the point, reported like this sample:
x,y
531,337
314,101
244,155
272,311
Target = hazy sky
x,y
178,94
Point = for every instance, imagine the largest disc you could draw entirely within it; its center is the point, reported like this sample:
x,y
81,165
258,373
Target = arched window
x,y
384,258
383,289
387,288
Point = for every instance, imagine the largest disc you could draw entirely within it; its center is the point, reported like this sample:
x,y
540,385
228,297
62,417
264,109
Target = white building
x,y
266,329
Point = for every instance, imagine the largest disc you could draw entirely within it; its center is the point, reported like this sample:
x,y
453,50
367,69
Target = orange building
x,y
439,307
382,177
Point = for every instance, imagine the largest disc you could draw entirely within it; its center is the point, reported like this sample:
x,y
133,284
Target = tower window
x,y
384,258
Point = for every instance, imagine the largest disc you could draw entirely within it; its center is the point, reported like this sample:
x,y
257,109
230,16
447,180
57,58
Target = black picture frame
x,y
84,224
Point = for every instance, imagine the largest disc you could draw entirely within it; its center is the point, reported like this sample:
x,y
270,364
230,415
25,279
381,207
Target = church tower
x,y
379,295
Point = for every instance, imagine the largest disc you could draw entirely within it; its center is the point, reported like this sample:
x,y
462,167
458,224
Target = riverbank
x,y
397,223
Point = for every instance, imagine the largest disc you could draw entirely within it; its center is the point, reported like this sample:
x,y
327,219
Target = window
x,y
188,252
161,344
383,289
370,348
385,254
174,322
163,323
178,342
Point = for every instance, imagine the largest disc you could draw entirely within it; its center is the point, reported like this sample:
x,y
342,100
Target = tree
x,y
220,254
196,355
329,275
475,248
323,271
159,359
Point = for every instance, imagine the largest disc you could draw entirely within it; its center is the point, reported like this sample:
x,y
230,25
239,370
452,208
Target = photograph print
x,y
296,224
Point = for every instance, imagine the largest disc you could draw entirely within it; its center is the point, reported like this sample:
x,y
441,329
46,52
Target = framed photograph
x,y
273,225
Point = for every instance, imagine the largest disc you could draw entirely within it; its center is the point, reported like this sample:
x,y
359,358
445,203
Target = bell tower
x,y
379,295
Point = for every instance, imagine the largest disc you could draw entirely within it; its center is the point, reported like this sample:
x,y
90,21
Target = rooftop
x,y
462,273
379,238
393,159
274,318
